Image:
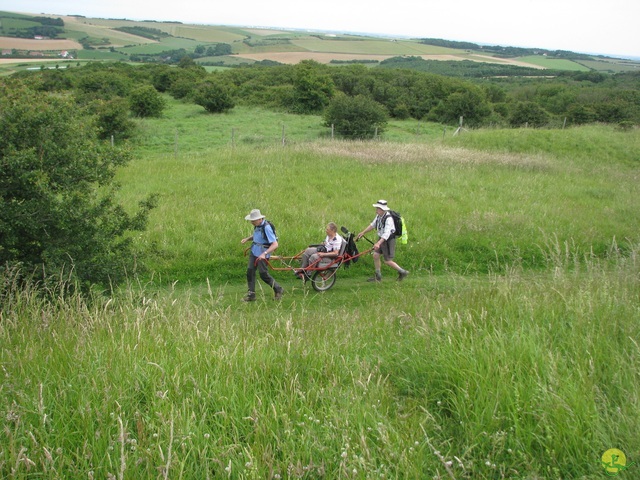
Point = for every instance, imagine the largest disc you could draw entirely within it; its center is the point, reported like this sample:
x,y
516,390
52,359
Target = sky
x,y
608,27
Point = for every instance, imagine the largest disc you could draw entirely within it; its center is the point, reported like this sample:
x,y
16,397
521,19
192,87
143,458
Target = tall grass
x,y
511,351
473,208
517,375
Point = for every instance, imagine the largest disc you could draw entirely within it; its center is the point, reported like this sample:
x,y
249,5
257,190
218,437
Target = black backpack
x,y
352,250
397,221
262,226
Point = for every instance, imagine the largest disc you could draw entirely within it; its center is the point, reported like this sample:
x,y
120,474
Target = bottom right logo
x,y
614,461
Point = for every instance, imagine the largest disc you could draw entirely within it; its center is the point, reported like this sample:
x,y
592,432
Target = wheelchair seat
x,y
337,260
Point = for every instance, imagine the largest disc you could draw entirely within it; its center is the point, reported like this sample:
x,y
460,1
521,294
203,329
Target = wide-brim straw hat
x,y
381,204
254,215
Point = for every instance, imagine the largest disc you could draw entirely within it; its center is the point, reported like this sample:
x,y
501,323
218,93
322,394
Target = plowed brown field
x,y
32,44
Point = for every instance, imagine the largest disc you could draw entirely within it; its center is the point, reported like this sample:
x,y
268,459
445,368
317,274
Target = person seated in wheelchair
x,y
323,254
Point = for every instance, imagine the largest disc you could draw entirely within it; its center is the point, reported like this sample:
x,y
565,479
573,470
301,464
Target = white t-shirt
x,y
385,229
333,244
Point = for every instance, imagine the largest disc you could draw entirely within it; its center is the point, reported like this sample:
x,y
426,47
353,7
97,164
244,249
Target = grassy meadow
x,y
511,351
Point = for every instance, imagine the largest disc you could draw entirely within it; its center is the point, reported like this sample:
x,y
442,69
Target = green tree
x,y
96,81
187,62
163,76
145,101
112,119
356,117
528,113
580,114
215,97
185,80
469,104
220,49
313,88
58,216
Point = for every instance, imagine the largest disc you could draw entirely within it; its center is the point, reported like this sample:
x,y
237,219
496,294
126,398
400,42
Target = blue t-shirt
x,y
262,238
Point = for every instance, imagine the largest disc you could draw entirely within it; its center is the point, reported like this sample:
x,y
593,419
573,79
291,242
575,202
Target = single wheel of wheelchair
x,y
323,280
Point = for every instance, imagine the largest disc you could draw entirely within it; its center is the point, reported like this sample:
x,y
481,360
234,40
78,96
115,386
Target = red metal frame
x,y
313,267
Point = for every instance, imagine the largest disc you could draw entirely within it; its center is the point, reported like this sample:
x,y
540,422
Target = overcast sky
x,y
589,26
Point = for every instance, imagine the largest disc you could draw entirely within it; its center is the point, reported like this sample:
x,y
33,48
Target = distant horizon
x,y
582,26
330,31
377,34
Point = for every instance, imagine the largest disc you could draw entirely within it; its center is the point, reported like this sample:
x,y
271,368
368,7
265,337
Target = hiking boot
x,y
402,275
249,297
375,279
278,293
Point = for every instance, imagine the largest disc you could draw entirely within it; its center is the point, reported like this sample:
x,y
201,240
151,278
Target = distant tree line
x,y
265,42
507,52
30,32
570,98
347,62
463,68
48,27
173,57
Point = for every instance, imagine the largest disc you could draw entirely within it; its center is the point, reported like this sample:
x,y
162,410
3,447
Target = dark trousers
x,y
262,268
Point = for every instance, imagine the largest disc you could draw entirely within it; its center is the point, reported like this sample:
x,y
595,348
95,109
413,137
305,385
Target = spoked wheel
x,y
323,280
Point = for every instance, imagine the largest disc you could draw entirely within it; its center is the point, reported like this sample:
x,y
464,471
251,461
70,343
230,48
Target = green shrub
x,y
356,117
58,216
145,101
214,97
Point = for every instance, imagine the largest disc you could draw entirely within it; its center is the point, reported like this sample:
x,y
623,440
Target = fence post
x,y
175,145
564,123
332,131
112,141
283,137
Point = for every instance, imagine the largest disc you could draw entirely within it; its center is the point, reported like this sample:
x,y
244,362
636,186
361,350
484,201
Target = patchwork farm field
x,y
257,44
38,45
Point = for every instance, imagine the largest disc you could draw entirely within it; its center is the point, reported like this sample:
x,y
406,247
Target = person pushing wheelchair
x,y
386,244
